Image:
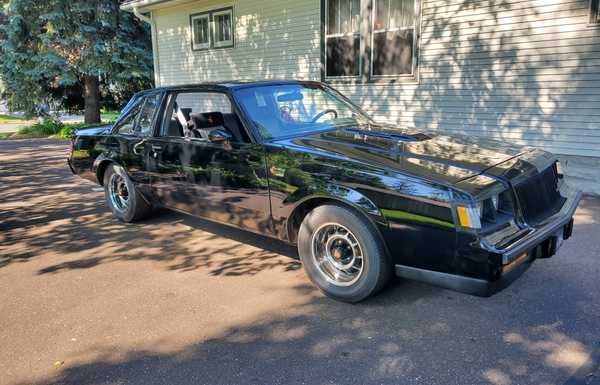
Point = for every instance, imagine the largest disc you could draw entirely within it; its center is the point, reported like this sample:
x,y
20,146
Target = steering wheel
x,y
286,113
322,113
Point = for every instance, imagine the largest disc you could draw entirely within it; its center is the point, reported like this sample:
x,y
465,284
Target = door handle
x,y
156,148
136,147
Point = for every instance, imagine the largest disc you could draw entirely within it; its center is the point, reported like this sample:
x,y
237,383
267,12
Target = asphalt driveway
x,y
177,300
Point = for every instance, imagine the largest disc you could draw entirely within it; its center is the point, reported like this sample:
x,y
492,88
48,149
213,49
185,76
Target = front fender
x,y
299,203
338,192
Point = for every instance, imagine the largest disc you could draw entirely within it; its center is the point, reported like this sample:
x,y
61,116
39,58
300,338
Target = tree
x,y
55,44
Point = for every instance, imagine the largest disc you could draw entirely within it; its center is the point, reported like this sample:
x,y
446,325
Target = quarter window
x,y
212,29
342,38
140,119
145,124
127,125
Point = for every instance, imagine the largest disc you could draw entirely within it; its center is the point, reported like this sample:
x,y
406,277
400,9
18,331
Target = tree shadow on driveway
x,y
542,329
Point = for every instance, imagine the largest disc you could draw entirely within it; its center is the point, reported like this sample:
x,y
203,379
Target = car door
x,y
130,141
223,180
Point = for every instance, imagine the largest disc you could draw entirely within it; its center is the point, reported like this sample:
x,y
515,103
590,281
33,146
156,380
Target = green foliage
x,y
41,130
53,128
53,44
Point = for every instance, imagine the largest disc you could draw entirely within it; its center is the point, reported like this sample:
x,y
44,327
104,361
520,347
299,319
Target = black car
x,y
297,161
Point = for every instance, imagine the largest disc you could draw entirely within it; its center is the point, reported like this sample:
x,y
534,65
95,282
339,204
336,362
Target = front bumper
x,y
531,237
516,256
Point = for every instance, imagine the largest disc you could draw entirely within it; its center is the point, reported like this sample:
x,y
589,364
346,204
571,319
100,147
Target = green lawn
x,y
109,116
11,119
4,135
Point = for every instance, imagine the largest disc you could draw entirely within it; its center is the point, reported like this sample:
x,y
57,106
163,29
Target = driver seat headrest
x,y
201,120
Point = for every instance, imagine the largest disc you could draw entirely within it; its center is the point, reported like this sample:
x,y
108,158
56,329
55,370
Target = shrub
x,y
41,130
55,128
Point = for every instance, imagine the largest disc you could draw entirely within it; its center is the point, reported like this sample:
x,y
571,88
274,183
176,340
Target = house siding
x,y
275,39
523,71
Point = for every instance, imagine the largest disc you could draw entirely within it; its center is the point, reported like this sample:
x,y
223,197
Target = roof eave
x,y
141,4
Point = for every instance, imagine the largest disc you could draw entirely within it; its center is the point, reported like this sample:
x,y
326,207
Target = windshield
x,y
281,111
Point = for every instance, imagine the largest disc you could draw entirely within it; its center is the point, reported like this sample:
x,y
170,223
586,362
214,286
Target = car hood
x,y
451,160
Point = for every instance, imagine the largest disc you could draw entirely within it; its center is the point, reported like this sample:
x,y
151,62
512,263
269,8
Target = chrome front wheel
x,y
337,254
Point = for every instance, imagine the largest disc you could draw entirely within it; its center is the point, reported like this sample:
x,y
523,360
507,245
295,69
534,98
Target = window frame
x,y
594,12
367,24
212,29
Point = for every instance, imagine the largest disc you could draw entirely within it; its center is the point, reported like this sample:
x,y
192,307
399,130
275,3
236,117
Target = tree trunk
x,y
91,94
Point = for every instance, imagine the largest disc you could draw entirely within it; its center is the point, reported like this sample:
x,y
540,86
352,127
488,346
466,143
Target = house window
x,y
342,38
383,46
201,31
393,44
223,30
594,12
212,29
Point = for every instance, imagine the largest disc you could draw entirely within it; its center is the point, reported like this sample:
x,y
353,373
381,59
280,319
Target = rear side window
x,y
140,119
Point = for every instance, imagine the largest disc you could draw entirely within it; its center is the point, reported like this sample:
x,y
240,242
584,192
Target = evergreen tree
x,y
53,44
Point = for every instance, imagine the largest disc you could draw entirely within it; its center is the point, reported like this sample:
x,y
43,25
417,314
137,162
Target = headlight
x,y
495,209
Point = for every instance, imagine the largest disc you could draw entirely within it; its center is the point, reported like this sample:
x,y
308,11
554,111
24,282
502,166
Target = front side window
x,y
393,37
342,38
212,29
287,110
195,113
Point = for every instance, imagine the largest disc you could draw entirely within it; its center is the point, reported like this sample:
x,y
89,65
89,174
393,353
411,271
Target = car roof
x,y
227,85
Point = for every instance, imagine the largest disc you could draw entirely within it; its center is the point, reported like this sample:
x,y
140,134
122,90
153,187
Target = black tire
x,y
375,264
136,207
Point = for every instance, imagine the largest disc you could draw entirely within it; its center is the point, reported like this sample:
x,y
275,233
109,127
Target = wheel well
x,y
100,172
306,207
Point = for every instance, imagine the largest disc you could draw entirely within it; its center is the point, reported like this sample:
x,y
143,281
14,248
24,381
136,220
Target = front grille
x,y
539,197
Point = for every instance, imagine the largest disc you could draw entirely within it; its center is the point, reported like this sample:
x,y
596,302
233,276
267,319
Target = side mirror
x,y
219,135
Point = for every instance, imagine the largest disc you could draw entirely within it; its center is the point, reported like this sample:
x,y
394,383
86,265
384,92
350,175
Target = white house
x,y
524,71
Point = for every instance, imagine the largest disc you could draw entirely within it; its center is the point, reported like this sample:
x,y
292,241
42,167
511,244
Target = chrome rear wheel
x,y
118,192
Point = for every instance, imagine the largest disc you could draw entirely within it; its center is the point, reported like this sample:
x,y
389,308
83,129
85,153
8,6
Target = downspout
x,y
155,59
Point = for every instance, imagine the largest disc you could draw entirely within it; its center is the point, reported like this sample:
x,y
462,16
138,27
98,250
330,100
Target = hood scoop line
x,y
384,135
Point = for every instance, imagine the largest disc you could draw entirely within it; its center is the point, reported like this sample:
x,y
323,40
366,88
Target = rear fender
x,y
99,167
